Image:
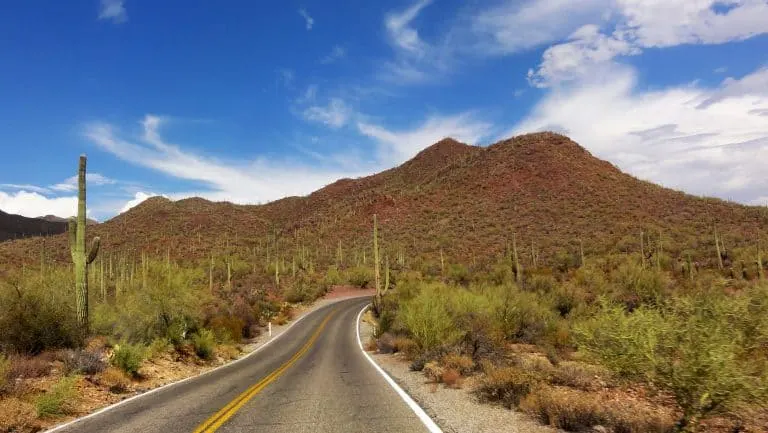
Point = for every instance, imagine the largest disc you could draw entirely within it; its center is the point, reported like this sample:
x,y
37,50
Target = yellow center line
x,y
219,418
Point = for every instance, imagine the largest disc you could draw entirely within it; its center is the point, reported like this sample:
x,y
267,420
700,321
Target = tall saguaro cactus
x,y
80,257
376,267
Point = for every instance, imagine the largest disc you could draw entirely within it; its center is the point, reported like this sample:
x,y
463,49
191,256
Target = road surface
x,y
313,378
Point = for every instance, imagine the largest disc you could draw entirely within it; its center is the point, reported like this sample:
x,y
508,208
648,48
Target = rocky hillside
x,y
465,200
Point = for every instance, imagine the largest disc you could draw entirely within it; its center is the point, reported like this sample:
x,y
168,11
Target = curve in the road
x,y
329,387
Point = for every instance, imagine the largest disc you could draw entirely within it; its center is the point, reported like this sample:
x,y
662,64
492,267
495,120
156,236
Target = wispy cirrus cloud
x,y
308,20
93,179
338,52
24,187
255,181
263,179
113,10
335,114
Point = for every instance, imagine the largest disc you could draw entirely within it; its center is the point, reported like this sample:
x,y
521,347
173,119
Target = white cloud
x,y
415,60
93,179
335,114
513,25
755,84
672,136
25,187
641,24
398,146
239,181
666,23
310,22
586,49
113,10
401,33
32,204
337,53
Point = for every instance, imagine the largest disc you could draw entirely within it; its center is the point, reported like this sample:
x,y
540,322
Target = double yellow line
x,y
219,418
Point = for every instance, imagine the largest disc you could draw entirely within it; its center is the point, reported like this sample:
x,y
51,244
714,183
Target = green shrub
x,y
331,278
5,368
626,343
702,358
360,276
143,314
36,317
638,286
128,357
158,346
298,291
694,349
204,343
524,317
458,274
58,400
427,318
542,284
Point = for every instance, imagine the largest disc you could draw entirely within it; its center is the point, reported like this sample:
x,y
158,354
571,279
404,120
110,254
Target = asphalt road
x,y
313,378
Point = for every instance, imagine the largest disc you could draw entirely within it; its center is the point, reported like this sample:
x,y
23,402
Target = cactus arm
x,y
94,251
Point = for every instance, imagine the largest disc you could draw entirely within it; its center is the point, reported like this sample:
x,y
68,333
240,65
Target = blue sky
x,y
250,102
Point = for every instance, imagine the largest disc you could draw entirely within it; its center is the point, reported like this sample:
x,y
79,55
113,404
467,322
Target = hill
x,y
17,226
466,201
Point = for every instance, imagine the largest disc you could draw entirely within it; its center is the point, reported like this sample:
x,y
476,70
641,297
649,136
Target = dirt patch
x,y
338,292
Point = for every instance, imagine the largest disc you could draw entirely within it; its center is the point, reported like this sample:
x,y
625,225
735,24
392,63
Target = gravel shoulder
x,y
454,410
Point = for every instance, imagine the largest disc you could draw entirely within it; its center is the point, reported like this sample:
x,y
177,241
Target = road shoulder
x,y
454,410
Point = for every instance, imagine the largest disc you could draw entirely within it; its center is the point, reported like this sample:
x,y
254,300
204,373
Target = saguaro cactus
x,y
376,267
80,257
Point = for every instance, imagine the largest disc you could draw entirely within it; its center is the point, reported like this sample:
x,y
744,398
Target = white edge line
x,y
423,417
168,385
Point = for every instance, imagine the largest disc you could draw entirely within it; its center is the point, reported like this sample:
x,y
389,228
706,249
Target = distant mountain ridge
x,y
463,200
17,226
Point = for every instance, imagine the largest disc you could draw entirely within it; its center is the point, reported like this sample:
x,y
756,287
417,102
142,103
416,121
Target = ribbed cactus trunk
x,y
518,267
717,248
80,257
376,266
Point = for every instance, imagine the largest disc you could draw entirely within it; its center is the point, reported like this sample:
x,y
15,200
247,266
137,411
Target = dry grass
x,y
433,371
227,352
114,380
534,362
573,410
406,346
17,415
24,367
452,378
461,363
371,345
506,385
581,376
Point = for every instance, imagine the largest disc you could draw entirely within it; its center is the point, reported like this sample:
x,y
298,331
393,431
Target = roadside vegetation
x,y
621,341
